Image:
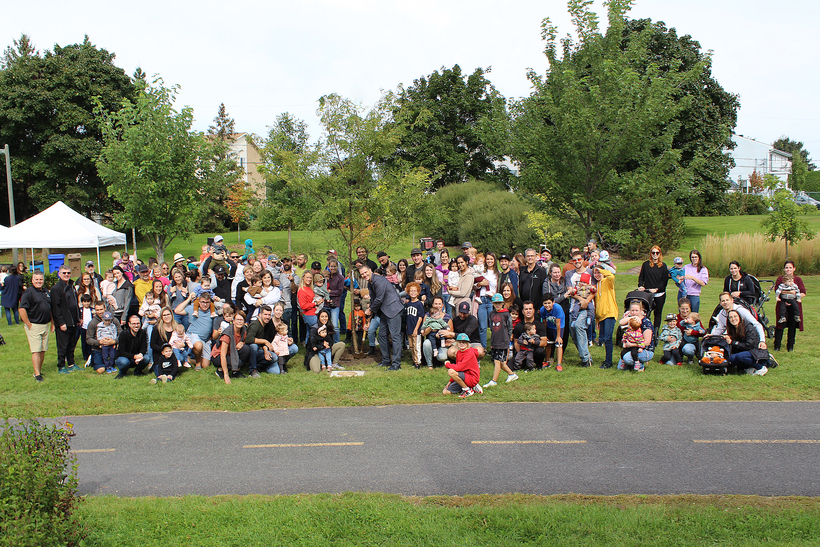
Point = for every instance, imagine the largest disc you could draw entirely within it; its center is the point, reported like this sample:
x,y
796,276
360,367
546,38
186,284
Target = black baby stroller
x,y
760,299
714,355
645,298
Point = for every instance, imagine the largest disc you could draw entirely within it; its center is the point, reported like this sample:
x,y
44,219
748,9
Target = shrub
x,y
659,224
745,204
495,221
38,485
450,203
49,279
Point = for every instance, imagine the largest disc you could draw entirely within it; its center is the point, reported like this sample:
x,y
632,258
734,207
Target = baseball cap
x,y
273,258
547,250
498,298
415,251
143,268
604,255
178,258
464,307
165,345
220,269
504,257
466,245
108,316
218,239
316,265
678,260
286,257
671,317
592,241
89,263
381,254
463,337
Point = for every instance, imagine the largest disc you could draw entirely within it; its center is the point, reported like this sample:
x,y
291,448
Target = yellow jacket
x,y
605,303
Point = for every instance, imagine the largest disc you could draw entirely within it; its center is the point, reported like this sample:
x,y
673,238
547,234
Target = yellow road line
x,y
528,442
91,450
302,445
757,441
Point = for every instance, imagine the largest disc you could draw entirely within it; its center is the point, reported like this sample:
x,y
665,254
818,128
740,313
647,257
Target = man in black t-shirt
x,y
35,312
464,323
528,316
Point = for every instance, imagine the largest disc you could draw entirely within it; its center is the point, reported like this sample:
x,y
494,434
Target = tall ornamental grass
x,y
757,255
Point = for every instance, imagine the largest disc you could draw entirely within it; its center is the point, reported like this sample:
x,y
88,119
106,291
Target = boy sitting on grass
x,y
167,365
465,375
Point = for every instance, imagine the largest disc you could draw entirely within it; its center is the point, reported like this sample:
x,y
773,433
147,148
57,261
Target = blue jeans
x,y
16,315
744,360
124,363
605,330
427,350
182,320
484,311
310,320
644,357
182,355
579,336
688,350
334,318
371,331
96,359
695,301
325,357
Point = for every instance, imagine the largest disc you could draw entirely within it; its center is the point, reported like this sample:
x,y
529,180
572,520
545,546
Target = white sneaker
x,y
477,389
750,371
512,378
490,384
88,362
761,372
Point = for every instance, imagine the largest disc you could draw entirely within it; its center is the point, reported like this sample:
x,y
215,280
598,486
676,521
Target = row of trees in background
x,y
620,138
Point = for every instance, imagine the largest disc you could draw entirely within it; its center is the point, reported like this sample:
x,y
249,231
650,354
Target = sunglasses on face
x,y
655,253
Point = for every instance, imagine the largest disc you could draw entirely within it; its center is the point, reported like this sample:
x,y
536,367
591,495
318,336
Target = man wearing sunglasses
x,y
531,278
65,311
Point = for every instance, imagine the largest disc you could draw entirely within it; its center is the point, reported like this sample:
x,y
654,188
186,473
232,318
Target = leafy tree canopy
x,y
443,114
46,117
794,148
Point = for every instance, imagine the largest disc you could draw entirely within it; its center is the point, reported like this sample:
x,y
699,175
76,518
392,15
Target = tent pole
x,y
99,266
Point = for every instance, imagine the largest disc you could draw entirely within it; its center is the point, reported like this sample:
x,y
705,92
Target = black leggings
x,y
657,311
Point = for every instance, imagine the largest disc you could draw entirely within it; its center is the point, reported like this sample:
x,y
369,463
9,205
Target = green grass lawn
x,y
380,519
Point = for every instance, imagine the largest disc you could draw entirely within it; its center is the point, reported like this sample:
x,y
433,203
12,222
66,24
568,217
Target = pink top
x,y
693,288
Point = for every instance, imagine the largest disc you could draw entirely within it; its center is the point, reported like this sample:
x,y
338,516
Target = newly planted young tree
x,y
784,221
156,168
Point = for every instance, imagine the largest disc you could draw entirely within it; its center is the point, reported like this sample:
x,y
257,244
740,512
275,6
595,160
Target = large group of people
x,y
249,314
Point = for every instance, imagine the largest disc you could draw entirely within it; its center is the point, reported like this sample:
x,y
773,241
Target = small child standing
x,y
357,322
633,342
322,294
554,321
86,315
452,280
106,329
671,336
465,374
501,334
677,273
167,365
789,294
527,343
415,317
280,346
181,344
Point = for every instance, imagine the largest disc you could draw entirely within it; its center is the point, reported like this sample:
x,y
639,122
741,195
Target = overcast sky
x,y
262,58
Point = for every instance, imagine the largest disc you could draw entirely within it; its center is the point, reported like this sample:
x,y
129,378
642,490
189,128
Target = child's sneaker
x,y
195,314
111,370
781,320
638,366
491,383
559,368
186,364
512,378
153,381
88,362
466,393
213,314
477,389
164,379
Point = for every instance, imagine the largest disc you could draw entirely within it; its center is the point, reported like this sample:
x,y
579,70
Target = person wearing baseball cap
x,y
466,325
466,245
507,275
95,277
416,264
464,373
676,273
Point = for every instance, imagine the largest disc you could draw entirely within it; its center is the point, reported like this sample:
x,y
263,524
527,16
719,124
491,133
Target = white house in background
x,y
249,159
750,156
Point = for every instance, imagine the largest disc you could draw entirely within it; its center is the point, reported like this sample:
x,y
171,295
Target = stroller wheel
x,y
770,331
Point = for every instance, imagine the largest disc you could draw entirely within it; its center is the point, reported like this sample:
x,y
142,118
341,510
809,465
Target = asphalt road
x,y
764,448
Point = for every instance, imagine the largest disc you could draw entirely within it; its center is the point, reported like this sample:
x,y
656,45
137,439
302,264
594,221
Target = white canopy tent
x,y
59,227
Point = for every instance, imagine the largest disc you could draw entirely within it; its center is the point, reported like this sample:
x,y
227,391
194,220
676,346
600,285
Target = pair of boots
x,y
713,356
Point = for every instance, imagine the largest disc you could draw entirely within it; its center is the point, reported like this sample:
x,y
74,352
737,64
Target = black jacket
x,y
530,284
65,309
129,344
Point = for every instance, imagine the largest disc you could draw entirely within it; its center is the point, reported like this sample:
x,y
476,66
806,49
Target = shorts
x,y
206,345
453,387
552,334
38,337
499,354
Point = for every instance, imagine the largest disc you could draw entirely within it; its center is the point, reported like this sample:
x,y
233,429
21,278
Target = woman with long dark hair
x,y
789,306
487,288
746,355
695,277
739,284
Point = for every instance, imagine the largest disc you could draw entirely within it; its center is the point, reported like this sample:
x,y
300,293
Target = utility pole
x,y
12,222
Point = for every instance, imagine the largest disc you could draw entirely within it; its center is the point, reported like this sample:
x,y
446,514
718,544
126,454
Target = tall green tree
x,y
221,135
46,117
798,178
156,168
706,122
287,163
784,221
794,148
443,114
354,192
598,130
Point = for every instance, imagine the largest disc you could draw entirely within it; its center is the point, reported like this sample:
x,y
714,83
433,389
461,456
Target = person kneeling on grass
x,y
501,328
167,366
465,375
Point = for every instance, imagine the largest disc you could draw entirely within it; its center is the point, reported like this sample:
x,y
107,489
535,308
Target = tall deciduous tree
x,y
598,131
443,114
287,163
156,168
46,117
794,148
706,122
365,201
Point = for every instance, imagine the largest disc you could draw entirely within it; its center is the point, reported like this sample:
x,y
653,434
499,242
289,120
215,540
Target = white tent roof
x,y
59,227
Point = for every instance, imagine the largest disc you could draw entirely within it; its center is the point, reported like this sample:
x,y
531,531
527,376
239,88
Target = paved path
x,y
466,448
